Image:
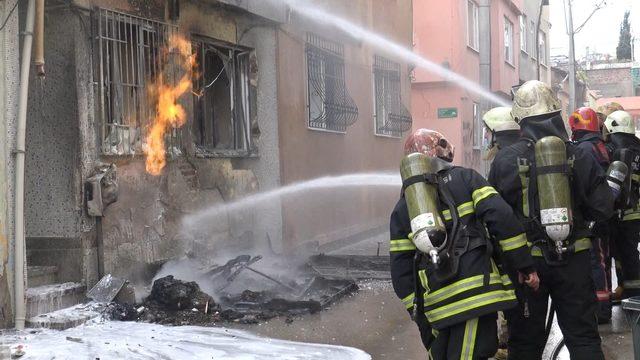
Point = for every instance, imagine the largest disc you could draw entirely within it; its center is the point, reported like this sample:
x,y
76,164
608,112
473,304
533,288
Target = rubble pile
x,y
176,302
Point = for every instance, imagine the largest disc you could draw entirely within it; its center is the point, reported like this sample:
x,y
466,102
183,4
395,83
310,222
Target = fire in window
x,y
129,60
221,98
391,117
330,105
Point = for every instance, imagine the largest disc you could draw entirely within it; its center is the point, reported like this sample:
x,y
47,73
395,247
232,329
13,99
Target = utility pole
x,y
572,56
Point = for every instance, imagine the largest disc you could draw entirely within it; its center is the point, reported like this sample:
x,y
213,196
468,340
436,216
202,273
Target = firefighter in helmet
x,y
625,146
441,257
556,190
501,128
586,133
605,110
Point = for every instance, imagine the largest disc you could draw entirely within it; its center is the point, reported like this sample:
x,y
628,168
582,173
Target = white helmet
x,y
500,119
620,122
534,98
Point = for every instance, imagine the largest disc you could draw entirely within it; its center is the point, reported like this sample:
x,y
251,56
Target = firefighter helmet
x,y
620,122
500,119
606,109
430,143
534,98
584,118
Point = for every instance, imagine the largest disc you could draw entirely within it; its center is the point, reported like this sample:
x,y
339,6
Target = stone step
x,y
41,275
48,298
65,318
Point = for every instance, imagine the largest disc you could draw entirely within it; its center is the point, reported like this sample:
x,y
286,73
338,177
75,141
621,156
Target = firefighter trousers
x,y
599,261
572,291
626,237
470,340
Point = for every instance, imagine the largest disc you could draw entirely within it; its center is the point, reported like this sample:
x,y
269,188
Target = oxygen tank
x,y
429,232
554,192
616,175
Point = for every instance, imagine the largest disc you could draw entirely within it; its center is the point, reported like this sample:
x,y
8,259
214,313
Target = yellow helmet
x,y
620,122
500,119
534,98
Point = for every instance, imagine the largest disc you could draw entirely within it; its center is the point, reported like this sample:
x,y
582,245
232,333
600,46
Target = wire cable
x,y
4,23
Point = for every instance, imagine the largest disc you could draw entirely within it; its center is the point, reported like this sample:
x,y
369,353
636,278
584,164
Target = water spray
x,y
383,44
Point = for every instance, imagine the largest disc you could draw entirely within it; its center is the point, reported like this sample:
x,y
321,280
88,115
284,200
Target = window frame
x,y
473,16
389,74
478,126
523,34
127,84
324,50
508,30
542,48
532,41
240,83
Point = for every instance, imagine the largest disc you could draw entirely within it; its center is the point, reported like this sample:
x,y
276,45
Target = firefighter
x,y
500,131
603,112
459,287
625,146
586,133
541,172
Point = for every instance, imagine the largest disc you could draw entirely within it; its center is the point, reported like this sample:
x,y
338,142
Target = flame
x,y
168,113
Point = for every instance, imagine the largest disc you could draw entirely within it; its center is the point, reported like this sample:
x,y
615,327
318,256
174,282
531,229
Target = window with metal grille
x,y
330,106
221,98
390,115
129,60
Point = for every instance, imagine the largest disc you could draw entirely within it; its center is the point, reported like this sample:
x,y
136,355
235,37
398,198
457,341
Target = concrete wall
x,y
9,73
326,216
528,60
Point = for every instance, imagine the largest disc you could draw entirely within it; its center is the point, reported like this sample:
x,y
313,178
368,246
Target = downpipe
x,y
20,254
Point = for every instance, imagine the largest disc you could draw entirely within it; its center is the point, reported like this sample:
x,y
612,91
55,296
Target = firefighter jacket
x,y
478,288
513,176
592,143
630,209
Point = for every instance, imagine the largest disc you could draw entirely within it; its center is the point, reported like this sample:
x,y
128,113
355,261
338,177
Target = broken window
x,y
330,105
221,98
391,117
129,59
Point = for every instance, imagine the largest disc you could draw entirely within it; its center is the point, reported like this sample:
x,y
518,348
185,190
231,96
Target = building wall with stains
x,y
144,226
320,217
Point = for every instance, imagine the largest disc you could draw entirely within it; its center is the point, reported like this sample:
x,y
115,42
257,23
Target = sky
x,y
601,32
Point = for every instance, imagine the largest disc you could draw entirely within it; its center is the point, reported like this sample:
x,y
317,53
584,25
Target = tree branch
x,y
599,6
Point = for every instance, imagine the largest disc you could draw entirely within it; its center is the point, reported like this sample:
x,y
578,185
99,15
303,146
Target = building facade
x,y
274,100
497,62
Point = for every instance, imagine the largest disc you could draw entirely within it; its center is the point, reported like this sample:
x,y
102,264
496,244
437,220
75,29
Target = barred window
x,y
330,105
221,98
391,117
129,59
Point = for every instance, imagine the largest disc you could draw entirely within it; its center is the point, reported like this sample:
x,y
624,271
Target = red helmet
x,y
584,119
430,143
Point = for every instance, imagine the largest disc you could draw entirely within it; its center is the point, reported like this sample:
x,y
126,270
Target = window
x,y
532,39
330,106
221,101
473,26
542,45
478,127
523,33
508,41
129,57
391,117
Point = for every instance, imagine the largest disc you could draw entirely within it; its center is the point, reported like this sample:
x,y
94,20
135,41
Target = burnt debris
x,y
244,294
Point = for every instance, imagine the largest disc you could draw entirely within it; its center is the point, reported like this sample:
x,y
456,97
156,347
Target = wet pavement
x,y
375,321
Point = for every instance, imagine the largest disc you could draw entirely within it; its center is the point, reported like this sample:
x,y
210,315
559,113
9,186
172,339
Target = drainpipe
x,y
39,39
484,47
20,254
